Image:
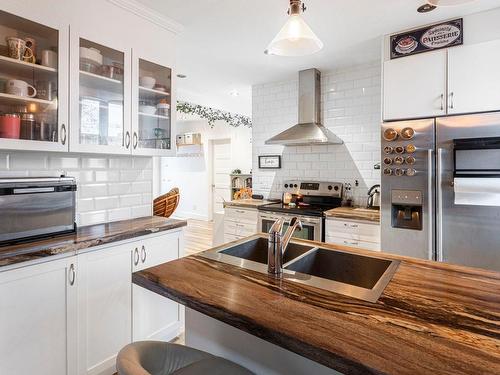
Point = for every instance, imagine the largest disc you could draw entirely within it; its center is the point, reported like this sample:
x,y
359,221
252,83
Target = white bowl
x,y
91,54
147,82
147,109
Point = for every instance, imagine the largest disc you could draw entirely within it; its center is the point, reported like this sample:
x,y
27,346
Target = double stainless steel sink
x,y
354,275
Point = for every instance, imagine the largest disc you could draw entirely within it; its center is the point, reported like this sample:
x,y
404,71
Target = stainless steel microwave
x,y
36,207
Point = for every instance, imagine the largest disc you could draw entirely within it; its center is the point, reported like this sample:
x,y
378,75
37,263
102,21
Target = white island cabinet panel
x,y
104,307
38,319
474,78
415,86
155,317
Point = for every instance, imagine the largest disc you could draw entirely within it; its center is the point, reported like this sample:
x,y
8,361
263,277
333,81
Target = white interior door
x,y
221,169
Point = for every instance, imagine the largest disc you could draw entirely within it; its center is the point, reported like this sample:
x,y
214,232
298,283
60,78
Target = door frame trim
x,y
211,174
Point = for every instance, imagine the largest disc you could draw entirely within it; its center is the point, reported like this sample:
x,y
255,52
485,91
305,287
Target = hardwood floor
x,y
198,236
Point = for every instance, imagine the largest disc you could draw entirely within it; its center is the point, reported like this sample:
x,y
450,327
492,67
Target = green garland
x,y
212,115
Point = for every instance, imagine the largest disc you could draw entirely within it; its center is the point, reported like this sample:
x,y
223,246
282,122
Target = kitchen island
x,y
432,318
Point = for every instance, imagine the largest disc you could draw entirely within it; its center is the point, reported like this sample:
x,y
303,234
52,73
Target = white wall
x,y
350,108
192,173
110,188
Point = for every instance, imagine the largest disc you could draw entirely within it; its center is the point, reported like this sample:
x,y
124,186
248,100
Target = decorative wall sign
x,y
270,161
430,38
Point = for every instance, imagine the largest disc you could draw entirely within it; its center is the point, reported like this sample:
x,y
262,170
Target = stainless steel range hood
x,y
309,130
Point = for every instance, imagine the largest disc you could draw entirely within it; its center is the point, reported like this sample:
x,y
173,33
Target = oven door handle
x,y
287,217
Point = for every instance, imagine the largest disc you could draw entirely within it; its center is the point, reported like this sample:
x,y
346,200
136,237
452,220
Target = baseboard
x,y
189,215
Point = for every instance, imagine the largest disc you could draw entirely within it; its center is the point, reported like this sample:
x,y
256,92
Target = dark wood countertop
x,y
354,213
432,318
85,238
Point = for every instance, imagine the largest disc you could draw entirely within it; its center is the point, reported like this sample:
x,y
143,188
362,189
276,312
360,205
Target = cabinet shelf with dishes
x,y
98,82
151,105
9,99
152,94
238,182
33,84
154,116
12,66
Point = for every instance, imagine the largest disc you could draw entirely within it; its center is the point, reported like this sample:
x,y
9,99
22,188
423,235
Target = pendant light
x,y
448,3
295,38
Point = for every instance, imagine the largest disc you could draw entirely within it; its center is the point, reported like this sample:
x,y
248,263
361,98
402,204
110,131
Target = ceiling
x,y
221,47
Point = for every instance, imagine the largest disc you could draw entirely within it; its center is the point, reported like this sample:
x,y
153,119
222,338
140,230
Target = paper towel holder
x,y
476,157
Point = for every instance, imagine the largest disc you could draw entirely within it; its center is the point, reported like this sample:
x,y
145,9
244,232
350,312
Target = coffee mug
x,y
19,88
17,49
49,58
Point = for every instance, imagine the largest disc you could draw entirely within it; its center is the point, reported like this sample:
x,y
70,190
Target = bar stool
x,y
163,358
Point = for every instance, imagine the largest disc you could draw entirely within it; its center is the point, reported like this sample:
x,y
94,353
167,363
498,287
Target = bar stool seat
x,y
163,358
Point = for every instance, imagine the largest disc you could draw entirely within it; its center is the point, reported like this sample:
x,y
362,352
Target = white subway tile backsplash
x,y
94,163
101,196
106,203
350,108
93,190
27,161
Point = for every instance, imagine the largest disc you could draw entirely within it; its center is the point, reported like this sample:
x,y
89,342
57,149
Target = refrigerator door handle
x,y
430,197
439,213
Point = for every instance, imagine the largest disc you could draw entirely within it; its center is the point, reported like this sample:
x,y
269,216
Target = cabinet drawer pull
x,y
350,243
136,256
127,140
135,140
452,104
72,274
442,102
143,254
63,134
240,211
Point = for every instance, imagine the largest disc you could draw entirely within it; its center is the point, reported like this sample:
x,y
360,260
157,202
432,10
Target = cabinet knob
x,y
143,254
63,134
135,140
127,140
136,256
72,274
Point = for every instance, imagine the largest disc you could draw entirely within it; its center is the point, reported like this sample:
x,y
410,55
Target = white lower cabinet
x,y
38,319
362,234
239,223
73,315
104,307
155,317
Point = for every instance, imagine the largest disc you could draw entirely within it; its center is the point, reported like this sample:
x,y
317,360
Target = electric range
x,y
311,200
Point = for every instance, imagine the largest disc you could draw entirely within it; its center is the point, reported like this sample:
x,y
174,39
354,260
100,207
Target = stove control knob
x,y
295,185
336,188
286,186
330,187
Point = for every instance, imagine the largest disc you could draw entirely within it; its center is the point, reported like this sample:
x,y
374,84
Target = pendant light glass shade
x,y
295,39
448,3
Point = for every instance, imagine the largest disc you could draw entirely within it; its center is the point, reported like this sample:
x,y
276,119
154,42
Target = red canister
x,y
10,126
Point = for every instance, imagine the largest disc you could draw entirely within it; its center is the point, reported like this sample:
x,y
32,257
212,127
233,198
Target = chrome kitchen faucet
x,y
278,243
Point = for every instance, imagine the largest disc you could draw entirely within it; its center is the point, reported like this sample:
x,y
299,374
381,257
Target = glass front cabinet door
x,y
33,84
152,111
100,94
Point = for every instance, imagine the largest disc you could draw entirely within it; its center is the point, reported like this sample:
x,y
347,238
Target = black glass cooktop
x,y
310,210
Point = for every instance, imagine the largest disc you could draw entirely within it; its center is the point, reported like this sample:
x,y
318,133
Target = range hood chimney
x,y
309,130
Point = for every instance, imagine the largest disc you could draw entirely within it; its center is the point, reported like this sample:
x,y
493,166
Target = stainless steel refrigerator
x,y
441,189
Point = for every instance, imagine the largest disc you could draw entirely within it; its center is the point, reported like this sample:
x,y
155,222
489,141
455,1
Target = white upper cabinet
x,y
152,98
33,83
474,78
415,86
100,94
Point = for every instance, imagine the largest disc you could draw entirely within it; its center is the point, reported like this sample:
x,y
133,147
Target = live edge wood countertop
x,y
85,237
432,318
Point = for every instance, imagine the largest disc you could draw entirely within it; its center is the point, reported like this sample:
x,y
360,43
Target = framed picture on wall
x,y
270,161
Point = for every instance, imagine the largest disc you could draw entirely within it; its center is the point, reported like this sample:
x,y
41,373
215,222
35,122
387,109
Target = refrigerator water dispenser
x,y
406,210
